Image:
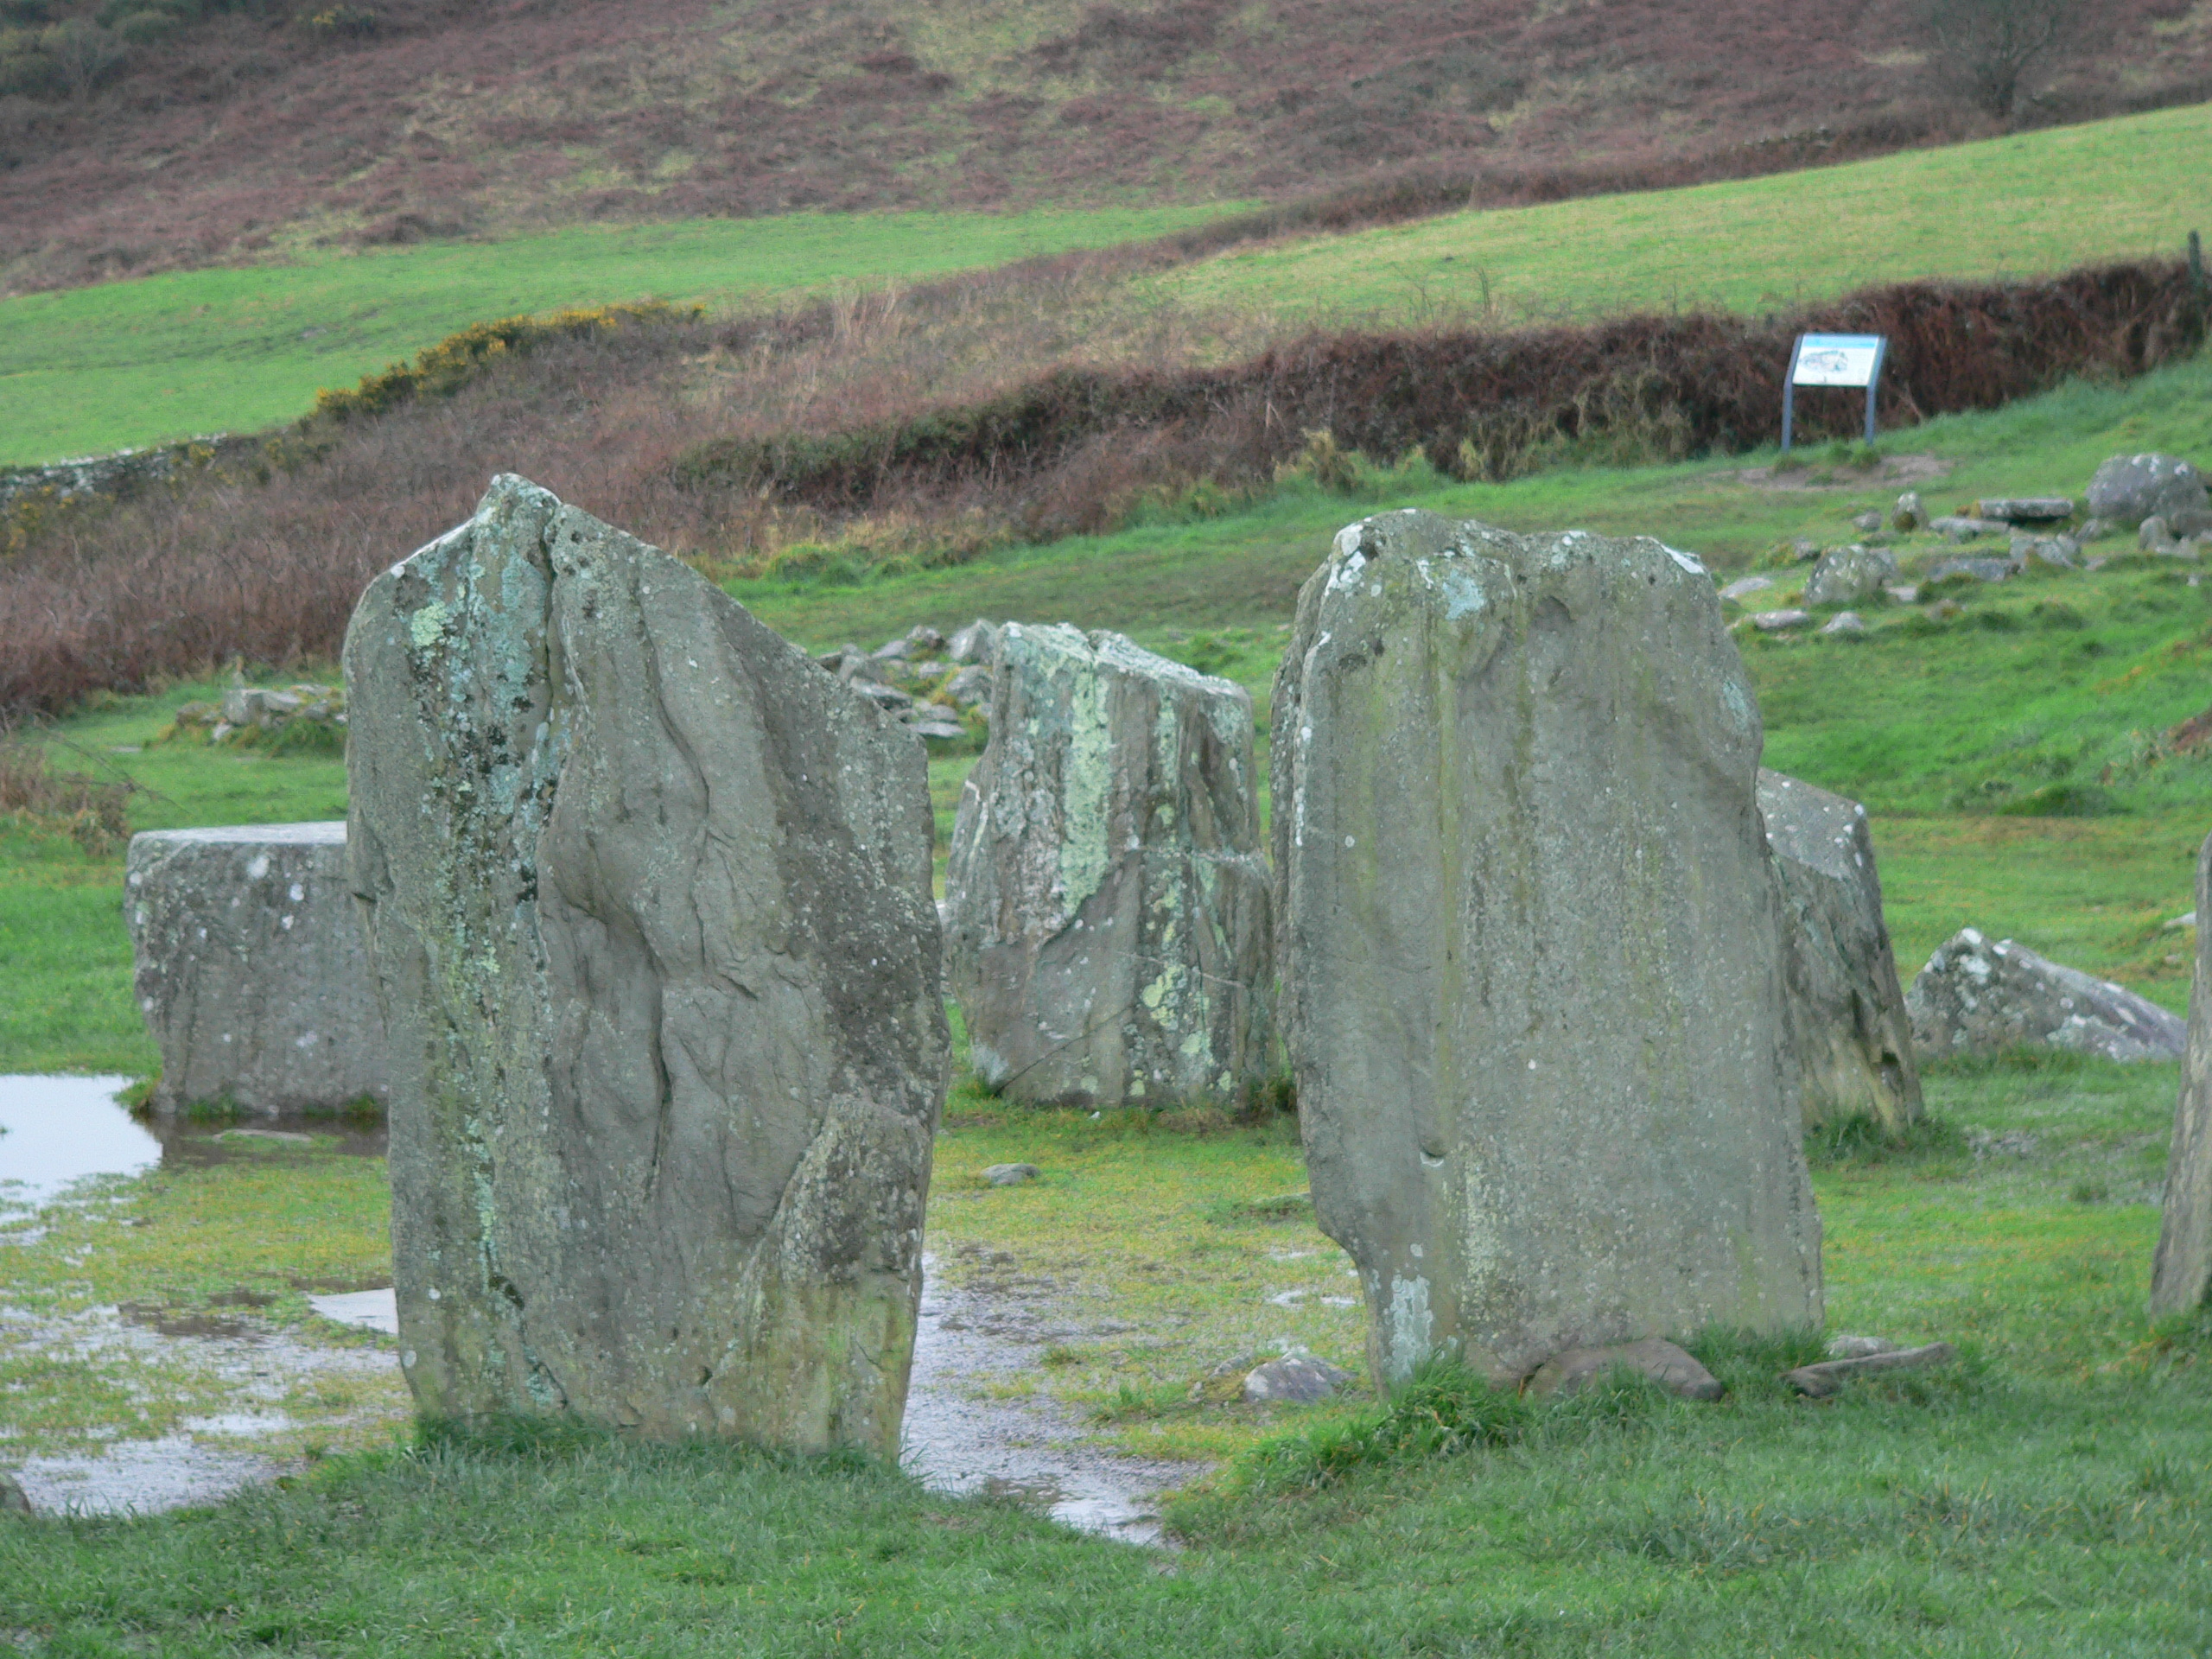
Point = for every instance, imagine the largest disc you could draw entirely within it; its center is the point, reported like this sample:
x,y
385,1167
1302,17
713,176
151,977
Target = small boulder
x,y
2061,552
1979,569
924,642
2026,509
1779,621
1905,592
1844,623
1850,575
974,644
1743,587
1672,1368
883,697
1297,1377
1908,514
969,688
2094,530
1869,521
1976,998
1962,529
12,1498
2128,489
1011,1174
1858,1347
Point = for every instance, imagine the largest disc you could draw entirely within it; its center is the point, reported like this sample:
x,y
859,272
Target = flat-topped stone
x,y
252,969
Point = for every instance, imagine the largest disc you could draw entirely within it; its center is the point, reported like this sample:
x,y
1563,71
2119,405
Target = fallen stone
x,y
1979,569
1533,948
1672,1368
883,697
1978,998
2128,489
1904,593
1858,1347
2094,530
1870,520
1844,622
1010,1174
924,641
1109,938
974,644
12,1500
1959,529
1908,514
2181,1269
250,969
1743,587
1779,621
1818,1381
1847,1014
2026,509
937,728
647,896
2061,552
2152,536
1295,1378
970,687
1850,575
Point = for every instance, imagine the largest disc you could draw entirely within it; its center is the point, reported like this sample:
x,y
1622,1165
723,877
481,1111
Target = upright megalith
x,y
1107,914
250,971
1532,947
2181,1272
1846,1008
647,897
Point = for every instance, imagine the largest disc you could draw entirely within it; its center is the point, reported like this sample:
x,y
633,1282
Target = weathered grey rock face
x,y
1532,947
647,894
2181,1272
1107,900
1850,575
250,968
2128,489
1846,1008
1976,998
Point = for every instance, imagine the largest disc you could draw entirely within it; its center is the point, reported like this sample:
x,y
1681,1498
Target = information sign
x,y
1852,360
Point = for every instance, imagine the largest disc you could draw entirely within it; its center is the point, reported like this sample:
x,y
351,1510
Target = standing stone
x,y
1107,898
2128,489
1846,1011
1978,998
647,896
1533,948
2181,1273
250,969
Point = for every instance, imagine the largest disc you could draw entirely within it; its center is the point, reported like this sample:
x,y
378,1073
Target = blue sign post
x,y
1832,360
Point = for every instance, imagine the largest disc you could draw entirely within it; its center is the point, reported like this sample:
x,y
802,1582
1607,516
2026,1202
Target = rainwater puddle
x,y
63,1130
1028,1449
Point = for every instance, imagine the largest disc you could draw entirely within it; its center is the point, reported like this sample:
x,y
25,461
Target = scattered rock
x,y
1805,549
2062,552
1010,1174
2181,1270
1858,1347
2094,530
883,697
924,642
1671,1368
1905,592
1846,1013
969,688
1976,998
2187,918
1965,530
250,968
1908,514
1844,622
247,713
647,896
1297,1377
942,729
1518,777
1744,586
1979,569
2026,509
1820,1381
974,644
12,1500
2128,489
2156,536
1870,520
1108,940
1850,575
1779,621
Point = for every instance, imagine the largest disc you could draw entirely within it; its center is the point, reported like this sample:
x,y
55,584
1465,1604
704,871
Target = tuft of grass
x,y
1862,1140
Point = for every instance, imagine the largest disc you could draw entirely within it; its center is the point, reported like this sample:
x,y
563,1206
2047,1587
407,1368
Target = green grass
x,y
191,352
2028,205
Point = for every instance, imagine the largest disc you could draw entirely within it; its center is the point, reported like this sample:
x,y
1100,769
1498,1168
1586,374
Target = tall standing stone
x,y
1846,1009
1533,948
647,896
2181,1273
1107,898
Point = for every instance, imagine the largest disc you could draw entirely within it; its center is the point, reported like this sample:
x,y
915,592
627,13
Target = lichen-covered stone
x,y
1846,1010
250,968
1532,947
1978,998
2181,1272
1850,575
2128,489
1106,900
647,896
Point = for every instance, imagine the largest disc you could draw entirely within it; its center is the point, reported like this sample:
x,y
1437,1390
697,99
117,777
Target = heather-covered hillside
x,y
143,134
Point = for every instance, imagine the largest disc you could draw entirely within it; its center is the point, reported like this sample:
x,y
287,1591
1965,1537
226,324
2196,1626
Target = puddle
x,y
1029,1450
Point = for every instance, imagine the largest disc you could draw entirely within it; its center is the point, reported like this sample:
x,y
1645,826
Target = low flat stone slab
x,y
1820,1381
1011,1174
1672,1368
2026,509
1780,621
253,970
1979,569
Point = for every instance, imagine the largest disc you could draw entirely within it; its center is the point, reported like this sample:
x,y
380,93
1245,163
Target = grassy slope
x,y
131,363
2020,206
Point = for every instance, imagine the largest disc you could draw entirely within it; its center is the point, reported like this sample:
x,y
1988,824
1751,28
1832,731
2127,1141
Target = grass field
x,y
132,363
2017,207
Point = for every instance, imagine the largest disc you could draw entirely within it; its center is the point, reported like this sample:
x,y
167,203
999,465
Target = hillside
x,y
139,135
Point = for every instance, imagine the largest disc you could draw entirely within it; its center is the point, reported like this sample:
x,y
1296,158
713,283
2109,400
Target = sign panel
x,y
1836,360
